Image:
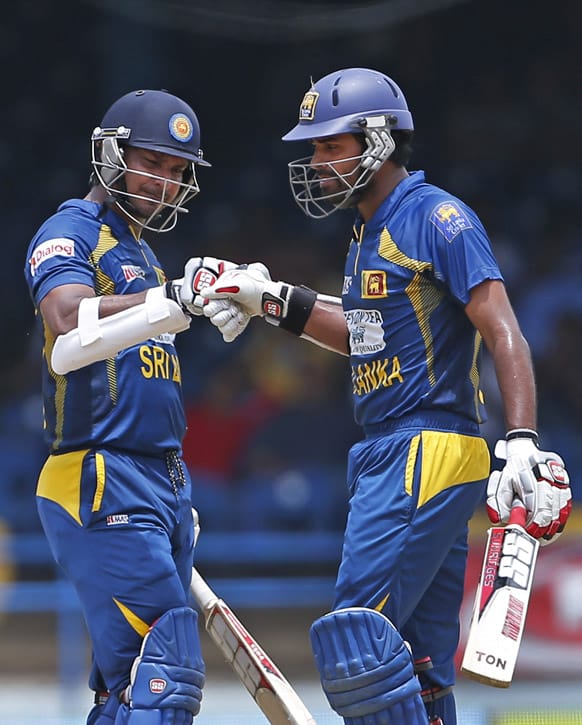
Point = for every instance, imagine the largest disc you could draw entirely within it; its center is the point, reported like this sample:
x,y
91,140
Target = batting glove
x,y
253,289
538,478
228,316
199,272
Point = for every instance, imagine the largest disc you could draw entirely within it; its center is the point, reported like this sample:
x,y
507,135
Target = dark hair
x,y
403,151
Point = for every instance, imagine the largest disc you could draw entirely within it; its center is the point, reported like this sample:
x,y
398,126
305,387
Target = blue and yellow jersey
x,y
408,276
132,401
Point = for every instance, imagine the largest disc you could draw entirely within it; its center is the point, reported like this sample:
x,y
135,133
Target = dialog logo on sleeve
x,y
450,220
51,248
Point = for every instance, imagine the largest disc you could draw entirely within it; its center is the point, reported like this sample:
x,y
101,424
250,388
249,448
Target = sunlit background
x,y
495,90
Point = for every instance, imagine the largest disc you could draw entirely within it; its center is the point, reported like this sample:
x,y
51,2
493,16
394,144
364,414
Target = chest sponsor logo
x,y
132,271
366,331
450,220
374,284
51,248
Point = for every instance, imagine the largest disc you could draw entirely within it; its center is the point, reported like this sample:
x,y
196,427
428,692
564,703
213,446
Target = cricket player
x,y
114,496
421,291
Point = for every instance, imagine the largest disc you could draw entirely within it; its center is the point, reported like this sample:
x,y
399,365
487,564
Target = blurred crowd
x,y
496,98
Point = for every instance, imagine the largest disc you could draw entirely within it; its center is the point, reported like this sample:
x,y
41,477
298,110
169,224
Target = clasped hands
x,y
227,293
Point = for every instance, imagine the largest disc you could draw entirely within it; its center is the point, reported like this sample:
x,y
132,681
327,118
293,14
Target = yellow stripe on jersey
x,y
104,285
450,459
388,249
60,481
425,298
111,368
105,242
474,375
160,274
423,295
100,482
134,621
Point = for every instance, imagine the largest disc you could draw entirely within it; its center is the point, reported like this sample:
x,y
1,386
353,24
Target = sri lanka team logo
x,y
450,220
181,127
374,284
307,107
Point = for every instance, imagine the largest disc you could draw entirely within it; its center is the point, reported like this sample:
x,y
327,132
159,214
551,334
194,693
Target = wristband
x,y
299,306
522,433
169,291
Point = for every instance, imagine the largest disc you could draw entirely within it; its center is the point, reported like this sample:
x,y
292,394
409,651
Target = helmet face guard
x,y
157,121
357,101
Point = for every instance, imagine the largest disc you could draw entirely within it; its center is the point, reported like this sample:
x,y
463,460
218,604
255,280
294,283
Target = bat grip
x,y
518,513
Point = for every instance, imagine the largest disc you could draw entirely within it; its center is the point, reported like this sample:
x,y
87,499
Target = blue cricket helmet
x,y
155,121
338,102
159,121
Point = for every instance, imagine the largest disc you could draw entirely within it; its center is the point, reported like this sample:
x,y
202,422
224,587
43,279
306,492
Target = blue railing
x,y
250,550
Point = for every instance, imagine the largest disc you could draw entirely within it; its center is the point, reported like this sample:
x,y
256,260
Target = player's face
x,y
335,161
152,177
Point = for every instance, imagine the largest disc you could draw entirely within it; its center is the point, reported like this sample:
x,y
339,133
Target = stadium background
x,y
495,89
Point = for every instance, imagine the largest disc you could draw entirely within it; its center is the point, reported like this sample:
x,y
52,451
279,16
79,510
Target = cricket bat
x,y
501,602
266,684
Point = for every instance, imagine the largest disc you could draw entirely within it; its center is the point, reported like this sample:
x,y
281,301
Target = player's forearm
x,y
112,304
516,380
327,327
60,307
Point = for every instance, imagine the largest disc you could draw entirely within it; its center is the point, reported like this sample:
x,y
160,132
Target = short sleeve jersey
x,y
408,276
132,401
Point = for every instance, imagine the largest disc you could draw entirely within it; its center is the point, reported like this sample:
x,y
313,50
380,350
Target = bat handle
x,y
203,594
518,513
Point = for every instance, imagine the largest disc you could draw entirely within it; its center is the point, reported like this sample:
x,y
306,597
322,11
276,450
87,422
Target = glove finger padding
x,y
228,316
500,495
553,485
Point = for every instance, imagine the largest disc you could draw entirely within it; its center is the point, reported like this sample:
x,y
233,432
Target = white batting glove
x,y
538,479
246,285
228,316
199,272
253,289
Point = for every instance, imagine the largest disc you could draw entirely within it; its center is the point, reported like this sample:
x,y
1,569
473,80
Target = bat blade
x,y
501,602
258,673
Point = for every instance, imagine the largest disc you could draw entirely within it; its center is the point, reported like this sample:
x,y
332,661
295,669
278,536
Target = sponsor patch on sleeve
x,y
450,220
60,247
